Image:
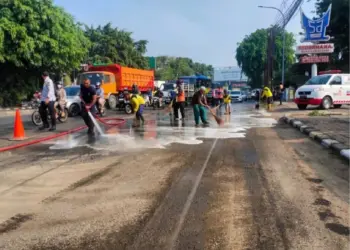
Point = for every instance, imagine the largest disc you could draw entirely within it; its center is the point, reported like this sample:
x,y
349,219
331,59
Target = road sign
x,y
315,29
152,62
324,48
314,59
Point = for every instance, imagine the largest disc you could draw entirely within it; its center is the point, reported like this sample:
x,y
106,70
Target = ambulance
x,y
324,90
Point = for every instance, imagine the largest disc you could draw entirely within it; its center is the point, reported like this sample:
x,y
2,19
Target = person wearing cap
x,y
199,103
88,100
61,98
47,102
100,97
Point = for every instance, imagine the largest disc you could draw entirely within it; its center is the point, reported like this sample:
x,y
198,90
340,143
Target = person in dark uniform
x,y
88,100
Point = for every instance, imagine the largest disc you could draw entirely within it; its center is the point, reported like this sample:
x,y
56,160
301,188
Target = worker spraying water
x,y
88,98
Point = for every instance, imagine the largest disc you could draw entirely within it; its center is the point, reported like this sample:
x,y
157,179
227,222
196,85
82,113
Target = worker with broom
x,y
268,94
138,104
199,104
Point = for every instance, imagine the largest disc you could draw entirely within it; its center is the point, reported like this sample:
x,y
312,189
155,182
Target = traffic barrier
x,y
118,121
18,130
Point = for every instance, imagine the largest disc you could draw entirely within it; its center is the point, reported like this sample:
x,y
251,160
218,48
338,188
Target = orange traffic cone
x,y
18,132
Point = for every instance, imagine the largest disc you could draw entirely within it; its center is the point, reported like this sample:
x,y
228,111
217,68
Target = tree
x,y
251,54
338,29
111,45
169,68
35,36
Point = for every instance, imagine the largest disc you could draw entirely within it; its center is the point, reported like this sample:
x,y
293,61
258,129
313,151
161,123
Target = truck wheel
x,y
326,102
112,101
337,106
302,106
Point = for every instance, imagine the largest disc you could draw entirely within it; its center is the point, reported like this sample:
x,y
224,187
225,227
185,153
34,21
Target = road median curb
x,y
327,142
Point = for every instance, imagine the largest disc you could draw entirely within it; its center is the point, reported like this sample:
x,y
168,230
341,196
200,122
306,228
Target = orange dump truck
x,y
115,78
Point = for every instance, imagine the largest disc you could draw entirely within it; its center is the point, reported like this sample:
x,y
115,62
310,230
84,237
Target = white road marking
x,y
190,199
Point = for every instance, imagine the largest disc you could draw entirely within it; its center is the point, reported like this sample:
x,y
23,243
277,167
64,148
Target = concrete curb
x,y
321,138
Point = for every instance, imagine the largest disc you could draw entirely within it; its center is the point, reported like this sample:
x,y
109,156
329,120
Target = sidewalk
x,y
330,127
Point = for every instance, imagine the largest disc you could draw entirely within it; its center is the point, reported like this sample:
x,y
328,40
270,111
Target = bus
x,y
193,83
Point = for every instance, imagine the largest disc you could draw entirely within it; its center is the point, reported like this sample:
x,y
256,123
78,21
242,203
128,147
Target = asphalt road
x,y
252,184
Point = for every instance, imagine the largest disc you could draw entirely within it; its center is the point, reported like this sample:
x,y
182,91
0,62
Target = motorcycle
x,y
124,104
156,102
62,116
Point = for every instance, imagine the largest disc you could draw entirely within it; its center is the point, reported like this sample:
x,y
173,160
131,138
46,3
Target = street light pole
x,y
283,36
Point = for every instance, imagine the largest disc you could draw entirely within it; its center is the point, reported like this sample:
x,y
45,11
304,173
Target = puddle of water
x,y
161,132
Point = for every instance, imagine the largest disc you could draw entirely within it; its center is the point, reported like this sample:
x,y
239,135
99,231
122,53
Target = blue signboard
x,y
315,29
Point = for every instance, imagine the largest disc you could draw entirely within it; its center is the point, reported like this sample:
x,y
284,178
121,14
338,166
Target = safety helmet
x,y
98,84
59,85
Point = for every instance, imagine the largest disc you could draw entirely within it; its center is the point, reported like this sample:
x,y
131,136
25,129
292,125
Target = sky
x,y
206,31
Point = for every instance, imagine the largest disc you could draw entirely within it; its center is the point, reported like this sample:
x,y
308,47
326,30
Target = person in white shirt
x,y
48,99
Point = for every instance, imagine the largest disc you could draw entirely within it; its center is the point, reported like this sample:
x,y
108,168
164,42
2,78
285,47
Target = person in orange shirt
x,y
180,101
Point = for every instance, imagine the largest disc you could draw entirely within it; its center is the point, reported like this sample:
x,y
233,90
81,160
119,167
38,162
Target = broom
x,y
218,120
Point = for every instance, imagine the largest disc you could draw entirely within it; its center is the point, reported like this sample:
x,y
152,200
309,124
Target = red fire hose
x,y
105,121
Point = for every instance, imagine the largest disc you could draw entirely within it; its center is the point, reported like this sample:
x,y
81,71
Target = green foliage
x,y
338,28
35,36
111,45
169,68
38,34
251,54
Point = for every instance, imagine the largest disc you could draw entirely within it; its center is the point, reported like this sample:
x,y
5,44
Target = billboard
x,y
314,59
315,29
323,48
229,74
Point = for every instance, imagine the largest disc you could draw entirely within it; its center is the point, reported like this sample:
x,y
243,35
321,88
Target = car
x,y
324,90
244,95
249,95
73,100
237,96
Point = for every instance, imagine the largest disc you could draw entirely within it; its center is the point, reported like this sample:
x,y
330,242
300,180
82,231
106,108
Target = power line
x,y
289,13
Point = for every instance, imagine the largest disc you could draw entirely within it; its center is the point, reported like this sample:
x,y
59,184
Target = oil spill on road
x,y
161,131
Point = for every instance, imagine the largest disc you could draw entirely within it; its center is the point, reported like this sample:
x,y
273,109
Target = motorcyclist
x,y
61,99
159,94
100,102
135,89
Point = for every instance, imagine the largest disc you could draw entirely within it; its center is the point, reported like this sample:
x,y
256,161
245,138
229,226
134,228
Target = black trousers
x,y
43,113
181,106
86,118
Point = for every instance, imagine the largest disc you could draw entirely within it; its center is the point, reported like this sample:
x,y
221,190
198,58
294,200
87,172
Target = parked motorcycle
x,y
62,116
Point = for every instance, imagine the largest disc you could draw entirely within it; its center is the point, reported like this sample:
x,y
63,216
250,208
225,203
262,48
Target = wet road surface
x,y
252,184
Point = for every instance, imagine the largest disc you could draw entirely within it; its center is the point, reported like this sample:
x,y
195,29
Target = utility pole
x,y
283,35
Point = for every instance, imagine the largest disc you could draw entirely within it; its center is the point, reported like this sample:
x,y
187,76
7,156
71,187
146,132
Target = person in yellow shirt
x,y
227,102
138,104
268,94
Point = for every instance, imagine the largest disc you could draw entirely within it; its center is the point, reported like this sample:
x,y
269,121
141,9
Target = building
x,y
231,77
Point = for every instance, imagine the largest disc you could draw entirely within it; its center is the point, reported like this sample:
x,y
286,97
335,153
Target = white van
x,y
324,91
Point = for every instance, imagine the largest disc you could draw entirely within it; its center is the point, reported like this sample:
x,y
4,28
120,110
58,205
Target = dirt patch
x,y
105,210
14,222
